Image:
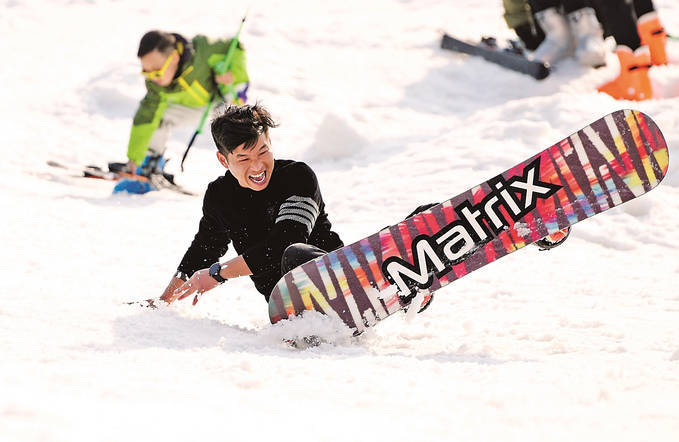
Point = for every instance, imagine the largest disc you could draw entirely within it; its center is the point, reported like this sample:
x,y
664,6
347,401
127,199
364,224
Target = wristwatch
x,y
214,272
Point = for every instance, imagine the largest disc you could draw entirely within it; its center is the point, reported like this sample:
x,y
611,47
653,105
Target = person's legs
x,y
651,31
643,7
530,34
587,32
297,254
620,19
175,116
541,5
558,42
573,5
633,82
519,17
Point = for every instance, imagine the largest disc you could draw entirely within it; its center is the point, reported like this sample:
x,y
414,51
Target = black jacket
x,y
261,224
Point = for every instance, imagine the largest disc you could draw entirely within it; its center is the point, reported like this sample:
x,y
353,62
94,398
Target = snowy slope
x,y
581,343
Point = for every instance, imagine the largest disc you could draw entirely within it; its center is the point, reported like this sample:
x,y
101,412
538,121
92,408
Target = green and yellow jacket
x,y
517,13
192,86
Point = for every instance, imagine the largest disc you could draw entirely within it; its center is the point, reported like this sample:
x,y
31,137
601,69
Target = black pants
x,y
297,254
568,5
619,19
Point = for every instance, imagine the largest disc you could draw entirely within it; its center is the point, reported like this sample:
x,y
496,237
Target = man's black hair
x,y
236,125
164,42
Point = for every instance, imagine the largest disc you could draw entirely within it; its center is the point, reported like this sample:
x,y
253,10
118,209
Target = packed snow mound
x,y
335,139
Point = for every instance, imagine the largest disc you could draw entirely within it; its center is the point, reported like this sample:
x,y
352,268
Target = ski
x,y
96,172
615,159
489,50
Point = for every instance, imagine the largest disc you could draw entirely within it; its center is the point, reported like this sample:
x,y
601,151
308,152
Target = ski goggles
x,y
151,75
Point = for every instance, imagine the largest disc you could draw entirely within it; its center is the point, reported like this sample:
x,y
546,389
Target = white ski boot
x,y
589,37
558,42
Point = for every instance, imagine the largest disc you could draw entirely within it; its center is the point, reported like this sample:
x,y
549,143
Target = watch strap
x,y
214,272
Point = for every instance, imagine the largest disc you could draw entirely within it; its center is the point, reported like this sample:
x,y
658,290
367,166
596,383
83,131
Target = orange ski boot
x,y
653,35
633,82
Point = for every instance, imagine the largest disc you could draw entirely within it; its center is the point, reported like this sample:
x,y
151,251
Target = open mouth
x,y
259,178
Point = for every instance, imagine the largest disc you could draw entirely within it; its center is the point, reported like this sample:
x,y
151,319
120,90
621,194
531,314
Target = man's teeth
x,y
258,178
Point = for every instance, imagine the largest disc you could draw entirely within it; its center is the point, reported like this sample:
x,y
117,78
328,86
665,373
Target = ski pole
x,y
221,67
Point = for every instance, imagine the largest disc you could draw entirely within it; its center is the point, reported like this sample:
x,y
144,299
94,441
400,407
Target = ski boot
x,y
589,37
633,82
153,168
553,240
653,35
558,42
153,164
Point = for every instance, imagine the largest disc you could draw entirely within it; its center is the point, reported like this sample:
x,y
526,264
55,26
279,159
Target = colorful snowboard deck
x,y
613,160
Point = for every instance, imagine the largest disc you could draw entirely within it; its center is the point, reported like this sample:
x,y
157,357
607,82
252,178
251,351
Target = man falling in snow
x,y
272,211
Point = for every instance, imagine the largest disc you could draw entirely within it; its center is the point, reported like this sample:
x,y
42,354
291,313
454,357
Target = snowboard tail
x,y
613,160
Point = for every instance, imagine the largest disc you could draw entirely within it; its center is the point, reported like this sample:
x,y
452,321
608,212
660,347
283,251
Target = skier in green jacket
x,y
181,78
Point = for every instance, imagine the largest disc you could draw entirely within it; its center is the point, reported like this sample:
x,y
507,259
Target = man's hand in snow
x,y
199,283
168,295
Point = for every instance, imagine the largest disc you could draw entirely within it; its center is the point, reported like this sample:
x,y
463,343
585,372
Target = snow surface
x,y
580,343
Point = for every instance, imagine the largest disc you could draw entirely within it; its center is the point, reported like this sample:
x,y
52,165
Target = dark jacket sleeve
x,y
212,240
295,220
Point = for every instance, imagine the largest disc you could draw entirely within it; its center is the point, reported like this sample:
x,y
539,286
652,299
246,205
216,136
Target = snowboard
x,y
508,58
615,159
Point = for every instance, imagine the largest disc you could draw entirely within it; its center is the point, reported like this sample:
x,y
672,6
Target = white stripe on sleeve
x,y
299,219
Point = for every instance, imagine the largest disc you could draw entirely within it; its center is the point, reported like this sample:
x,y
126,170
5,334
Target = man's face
x,y
252,167
157,62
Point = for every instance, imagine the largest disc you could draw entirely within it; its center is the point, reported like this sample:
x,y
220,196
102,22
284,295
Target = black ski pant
x,y
619,19
568,5
297,254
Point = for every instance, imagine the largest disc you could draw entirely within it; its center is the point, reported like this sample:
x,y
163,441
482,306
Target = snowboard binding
x,y
406,301
514,47
553,240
